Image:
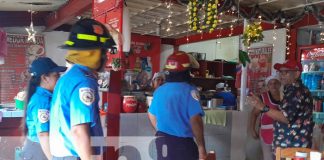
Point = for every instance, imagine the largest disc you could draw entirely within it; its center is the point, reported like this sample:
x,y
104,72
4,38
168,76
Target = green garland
x,y
252,33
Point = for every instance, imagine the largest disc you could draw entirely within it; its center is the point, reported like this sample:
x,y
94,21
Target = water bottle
x,y
148,68
322,83
18,153
314,82
308,80
304,79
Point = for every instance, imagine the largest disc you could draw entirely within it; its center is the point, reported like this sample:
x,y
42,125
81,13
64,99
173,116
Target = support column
x,y
111,12
292,44
243,77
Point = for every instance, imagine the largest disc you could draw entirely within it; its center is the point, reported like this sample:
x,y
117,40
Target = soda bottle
x,y
322,83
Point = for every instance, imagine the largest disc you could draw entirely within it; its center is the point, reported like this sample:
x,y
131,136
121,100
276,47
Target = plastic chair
x,y
291,152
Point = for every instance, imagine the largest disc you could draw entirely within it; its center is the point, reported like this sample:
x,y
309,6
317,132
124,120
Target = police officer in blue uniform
x,y
175,113
44,73
75,98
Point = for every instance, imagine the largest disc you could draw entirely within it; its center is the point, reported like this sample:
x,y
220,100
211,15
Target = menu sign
x,y
14,72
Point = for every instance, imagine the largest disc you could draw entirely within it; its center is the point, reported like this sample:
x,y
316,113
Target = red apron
x,y
266,128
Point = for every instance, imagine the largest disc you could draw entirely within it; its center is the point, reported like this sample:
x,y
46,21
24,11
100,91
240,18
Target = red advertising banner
x,y
103,6
315,53
259,68
14,72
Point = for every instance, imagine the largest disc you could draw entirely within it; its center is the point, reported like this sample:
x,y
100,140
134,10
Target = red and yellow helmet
x,y
178,61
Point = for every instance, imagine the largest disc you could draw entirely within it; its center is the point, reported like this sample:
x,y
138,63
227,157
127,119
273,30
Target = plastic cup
x,y
19,104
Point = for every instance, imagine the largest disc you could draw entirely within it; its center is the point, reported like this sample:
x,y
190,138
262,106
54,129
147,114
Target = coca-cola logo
x,y
315,53
130,102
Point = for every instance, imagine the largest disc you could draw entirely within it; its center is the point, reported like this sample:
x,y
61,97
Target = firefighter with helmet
x,y
176,113
75,98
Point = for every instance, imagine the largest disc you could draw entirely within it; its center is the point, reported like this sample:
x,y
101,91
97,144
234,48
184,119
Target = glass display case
x,y
312,59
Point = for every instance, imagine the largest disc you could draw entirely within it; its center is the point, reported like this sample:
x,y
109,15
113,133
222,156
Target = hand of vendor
x,y
254,101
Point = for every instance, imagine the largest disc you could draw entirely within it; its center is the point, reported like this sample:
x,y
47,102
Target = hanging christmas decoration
x,y
208,9
31,32
252,33
211,19
169,21
274,37
244,58
288,39
116,64
193,14
322,37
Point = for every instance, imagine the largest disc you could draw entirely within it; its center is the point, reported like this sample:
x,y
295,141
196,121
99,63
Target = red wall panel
x,y
138,43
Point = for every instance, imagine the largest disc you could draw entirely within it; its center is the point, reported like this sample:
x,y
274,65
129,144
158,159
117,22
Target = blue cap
x,y
44,65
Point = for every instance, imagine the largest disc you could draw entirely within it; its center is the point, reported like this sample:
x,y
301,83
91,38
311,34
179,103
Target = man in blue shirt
x,y
176,113
75,98
229,99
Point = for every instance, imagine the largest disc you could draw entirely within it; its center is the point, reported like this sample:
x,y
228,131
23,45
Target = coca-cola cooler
x,y
312,59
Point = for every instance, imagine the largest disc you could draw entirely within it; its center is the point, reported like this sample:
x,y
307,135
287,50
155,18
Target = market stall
x,y
236,44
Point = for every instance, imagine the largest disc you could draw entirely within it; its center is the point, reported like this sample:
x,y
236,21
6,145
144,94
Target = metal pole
x,y
243,77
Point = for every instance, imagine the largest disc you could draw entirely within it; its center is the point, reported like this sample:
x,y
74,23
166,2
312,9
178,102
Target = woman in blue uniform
x,y
176,113
44,74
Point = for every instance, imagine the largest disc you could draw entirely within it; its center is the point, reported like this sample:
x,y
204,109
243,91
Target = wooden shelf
x,y
219,70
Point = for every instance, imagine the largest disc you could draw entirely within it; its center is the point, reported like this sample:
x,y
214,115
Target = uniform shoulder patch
x,y
87,95
195,95
43,115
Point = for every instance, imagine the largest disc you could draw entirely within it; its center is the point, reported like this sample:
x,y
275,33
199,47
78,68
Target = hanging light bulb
x,y
288,38
231,30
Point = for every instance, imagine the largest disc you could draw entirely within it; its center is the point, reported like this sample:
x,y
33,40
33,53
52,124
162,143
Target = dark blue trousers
x,y
175,148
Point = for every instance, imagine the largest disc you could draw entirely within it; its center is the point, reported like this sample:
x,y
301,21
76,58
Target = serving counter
x,y
10,132
223,135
